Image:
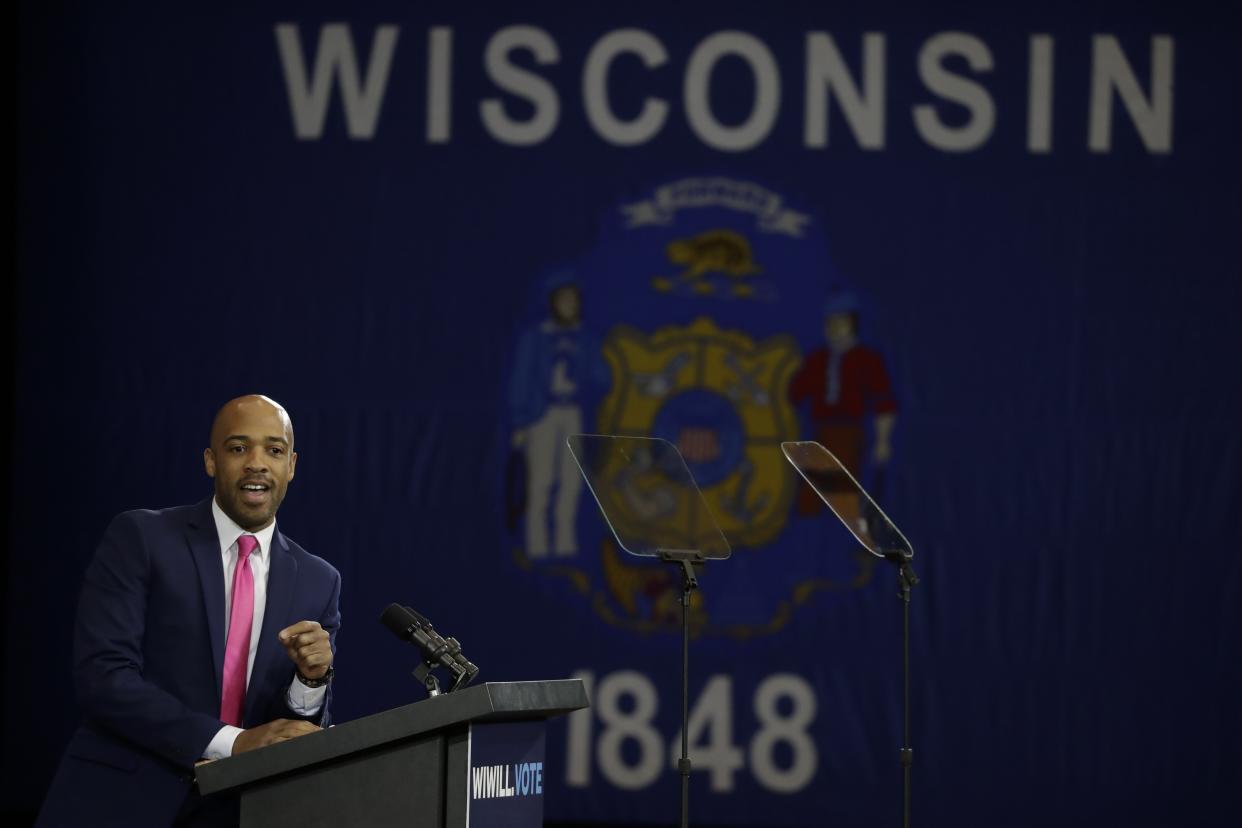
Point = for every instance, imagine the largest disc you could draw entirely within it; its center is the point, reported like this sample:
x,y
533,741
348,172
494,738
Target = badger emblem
x,y
714,252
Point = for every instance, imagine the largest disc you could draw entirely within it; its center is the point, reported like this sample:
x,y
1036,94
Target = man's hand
x,y
309,647
281,730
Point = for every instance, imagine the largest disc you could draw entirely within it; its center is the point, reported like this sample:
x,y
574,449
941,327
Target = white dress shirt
x,y
302,700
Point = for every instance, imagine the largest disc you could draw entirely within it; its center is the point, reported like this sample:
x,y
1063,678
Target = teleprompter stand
x,y
905,580
689,583
867,522
654,508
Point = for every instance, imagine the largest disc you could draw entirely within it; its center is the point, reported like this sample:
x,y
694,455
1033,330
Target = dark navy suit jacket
x,y
148,654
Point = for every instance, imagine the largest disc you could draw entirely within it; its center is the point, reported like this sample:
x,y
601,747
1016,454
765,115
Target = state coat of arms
x,y
690,321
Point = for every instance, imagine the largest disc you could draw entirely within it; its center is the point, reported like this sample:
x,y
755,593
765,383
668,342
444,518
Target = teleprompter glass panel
x,y
648,496
847,499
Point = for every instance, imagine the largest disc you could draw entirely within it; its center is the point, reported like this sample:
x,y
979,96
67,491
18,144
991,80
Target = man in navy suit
x,y
191,617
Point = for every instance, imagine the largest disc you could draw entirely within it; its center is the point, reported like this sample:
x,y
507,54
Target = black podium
x,y
468,759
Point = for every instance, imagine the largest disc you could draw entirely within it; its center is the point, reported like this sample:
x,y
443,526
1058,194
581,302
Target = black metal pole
x,y
683,766
905,579
907,754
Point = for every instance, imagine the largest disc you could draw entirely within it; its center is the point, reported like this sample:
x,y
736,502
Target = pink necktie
x,y
237,650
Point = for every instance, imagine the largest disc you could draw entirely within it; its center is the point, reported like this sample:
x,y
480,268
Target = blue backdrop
x,y
368,211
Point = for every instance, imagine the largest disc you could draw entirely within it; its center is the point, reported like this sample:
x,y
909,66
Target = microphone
x,y
410,626
463,669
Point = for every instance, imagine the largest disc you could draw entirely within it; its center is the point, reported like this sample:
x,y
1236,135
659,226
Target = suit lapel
x,y
282,580
205,550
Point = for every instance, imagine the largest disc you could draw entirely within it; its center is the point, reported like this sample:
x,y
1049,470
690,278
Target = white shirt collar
x,y
228,532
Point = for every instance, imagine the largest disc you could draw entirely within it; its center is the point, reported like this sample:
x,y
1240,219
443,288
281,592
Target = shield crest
x,y
719,396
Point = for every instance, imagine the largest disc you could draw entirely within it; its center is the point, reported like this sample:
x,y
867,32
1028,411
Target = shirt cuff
x,y
221,745
303,700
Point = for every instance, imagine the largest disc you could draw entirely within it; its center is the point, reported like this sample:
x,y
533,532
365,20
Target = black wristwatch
x,y
319,682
